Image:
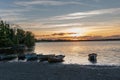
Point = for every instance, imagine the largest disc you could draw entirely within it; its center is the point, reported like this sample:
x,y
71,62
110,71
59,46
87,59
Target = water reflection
x,y
77,52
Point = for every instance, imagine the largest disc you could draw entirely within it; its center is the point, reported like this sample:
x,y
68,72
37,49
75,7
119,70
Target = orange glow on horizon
x,y
77,34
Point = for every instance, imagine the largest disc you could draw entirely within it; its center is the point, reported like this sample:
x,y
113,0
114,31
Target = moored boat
x,y
7,57
45,57
31,57
93,57
54,59
21,57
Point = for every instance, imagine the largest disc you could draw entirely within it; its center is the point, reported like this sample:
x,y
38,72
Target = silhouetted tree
x,y
10,37
5,41
29,39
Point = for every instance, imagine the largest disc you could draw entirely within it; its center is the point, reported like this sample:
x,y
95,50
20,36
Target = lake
x,y
77,52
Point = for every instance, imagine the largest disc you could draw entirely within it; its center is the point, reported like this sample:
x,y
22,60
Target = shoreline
x,y
101,40
56,71
63,63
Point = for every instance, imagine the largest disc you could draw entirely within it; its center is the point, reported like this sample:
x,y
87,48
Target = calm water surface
x,y
77,52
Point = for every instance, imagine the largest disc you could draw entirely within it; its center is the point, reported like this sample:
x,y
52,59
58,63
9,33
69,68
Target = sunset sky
x,y
64,19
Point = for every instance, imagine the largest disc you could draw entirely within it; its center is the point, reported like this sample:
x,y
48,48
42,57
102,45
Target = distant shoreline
x,y
76,40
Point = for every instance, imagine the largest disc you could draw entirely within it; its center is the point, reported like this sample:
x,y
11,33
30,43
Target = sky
x,y
64,19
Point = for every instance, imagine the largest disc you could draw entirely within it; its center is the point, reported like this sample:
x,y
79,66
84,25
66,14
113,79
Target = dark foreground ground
x,y
46,71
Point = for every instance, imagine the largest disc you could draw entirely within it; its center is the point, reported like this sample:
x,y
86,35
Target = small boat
x,y
45,57
7,57
92,57
21,57
31,57
54,59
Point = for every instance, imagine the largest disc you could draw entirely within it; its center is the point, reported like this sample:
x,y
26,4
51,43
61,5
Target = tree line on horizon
x,y
10,37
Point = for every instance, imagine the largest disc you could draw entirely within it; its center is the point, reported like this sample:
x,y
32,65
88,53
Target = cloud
x,y
38,25
96,0
80,15
13,19
55,35
12,15
104,25
46,2
113,37
61,34
13,10
65,25
9,14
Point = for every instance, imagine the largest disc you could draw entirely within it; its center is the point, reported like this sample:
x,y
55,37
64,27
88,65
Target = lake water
x,y
77,52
